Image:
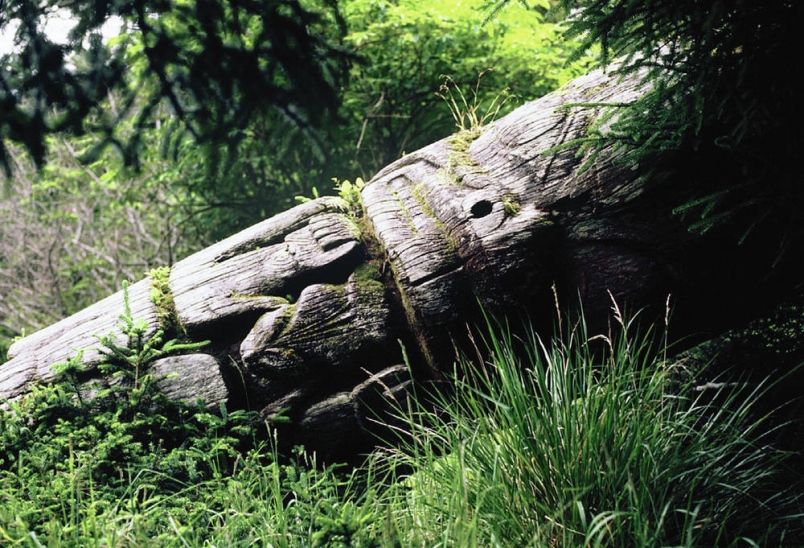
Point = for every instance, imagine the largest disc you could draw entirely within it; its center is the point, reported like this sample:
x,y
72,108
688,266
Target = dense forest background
x,y
101,206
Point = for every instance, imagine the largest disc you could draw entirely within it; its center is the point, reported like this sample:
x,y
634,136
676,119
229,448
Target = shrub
x,y
75,449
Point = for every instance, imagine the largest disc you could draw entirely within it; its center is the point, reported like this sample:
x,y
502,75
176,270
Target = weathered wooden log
x,y
308,312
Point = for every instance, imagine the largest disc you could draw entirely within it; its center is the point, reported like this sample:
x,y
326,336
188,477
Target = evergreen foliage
x,y
215,64
721,114
95,439
577,441
722,105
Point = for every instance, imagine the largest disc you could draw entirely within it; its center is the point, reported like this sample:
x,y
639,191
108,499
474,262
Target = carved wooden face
x,y
306,311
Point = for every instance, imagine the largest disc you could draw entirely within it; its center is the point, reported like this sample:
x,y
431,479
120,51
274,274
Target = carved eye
x,y
481,209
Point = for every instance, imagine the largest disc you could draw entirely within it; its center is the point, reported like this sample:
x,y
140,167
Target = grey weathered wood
x,y
190,377
354,418
237,275
306,311
482,214
310,337
248,273
32,358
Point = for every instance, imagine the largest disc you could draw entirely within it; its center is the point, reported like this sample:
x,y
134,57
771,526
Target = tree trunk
x,y
310,313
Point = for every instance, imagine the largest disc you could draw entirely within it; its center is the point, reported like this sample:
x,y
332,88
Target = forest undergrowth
x,y
577,440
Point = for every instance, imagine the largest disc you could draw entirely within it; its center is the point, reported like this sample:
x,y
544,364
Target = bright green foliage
x,y
128,363
411,46
349,192
469,115
389,104
115,463
579,442
77,447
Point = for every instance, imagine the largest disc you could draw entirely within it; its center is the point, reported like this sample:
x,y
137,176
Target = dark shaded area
x,y
215,64
723,114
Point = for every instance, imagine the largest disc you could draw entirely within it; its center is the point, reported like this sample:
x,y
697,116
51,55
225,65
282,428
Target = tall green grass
x,y
577,440
591,441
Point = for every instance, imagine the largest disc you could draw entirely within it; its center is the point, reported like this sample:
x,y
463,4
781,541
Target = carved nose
x,y
481,209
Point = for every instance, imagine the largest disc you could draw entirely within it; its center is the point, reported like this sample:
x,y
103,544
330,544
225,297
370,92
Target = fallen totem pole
x,y
309,312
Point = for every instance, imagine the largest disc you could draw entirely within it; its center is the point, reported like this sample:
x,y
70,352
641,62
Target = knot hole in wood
x,y
481,209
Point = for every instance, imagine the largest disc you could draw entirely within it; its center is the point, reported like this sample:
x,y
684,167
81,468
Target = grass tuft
x,y
591,441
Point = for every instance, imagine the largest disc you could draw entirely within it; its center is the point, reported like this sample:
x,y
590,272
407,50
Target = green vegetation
x,y
349,192
214,64
581,441
593,441
162,298
511,206
76,453
467,112
200,119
